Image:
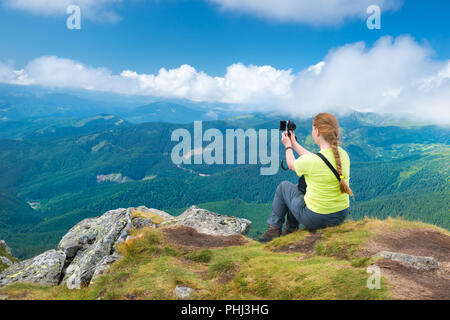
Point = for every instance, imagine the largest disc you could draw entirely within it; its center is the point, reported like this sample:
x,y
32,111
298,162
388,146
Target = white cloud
x,y
96,10
394,76
315,12
241,84
317,68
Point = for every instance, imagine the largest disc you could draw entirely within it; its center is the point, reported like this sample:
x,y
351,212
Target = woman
x,y
326,202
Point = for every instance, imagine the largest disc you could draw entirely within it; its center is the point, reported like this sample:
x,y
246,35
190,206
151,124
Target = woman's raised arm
x,y
297,147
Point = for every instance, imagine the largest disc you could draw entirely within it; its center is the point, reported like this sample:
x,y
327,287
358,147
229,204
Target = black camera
x,y
287,126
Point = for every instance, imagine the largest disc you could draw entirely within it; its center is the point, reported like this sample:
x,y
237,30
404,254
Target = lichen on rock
x,y
212,223
142,217
410,261
103,266
6,261
89,248
43,269
89,242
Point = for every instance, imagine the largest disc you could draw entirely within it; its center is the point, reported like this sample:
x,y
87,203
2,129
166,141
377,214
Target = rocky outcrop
x,y
142,217
4,247
212,223
410,261
6,261
104,265
43,269
89,248
89,242
113,177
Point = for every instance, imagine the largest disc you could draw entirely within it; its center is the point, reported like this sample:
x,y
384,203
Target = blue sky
x,y
155,34
298,55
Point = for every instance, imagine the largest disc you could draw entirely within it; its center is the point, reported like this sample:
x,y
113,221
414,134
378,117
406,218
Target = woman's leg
x,y
291,221
287,198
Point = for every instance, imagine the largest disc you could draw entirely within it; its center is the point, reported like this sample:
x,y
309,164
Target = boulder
x,y
6,261
90,241
4,247
414,262
212,223
89,248
140,223
104,265
43,269
142,217
183,292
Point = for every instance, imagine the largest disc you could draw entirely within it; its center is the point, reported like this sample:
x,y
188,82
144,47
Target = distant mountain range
x,y
19,103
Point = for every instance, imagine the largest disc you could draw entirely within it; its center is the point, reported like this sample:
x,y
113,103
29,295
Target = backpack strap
x,y
329,166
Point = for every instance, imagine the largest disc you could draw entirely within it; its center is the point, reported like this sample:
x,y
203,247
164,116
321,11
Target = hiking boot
x,y
288,230
270,234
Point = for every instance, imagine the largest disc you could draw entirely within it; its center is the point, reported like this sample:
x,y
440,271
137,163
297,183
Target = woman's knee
x,y
283,185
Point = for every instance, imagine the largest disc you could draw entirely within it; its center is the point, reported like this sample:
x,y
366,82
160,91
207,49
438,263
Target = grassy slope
x,y
151,268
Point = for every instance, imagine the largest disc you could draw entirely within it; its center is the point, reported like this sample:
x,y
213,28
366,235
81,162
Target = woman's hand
x,y
285,140
293,138
290,159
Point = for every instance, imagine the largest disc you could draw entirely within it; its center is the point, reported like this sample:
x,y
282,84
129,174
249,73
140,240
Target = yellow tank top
x,y
322,193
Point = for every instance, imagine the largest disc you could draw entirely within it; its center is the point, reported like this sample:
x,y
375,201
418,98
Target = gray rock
x,y
124,233
4,247
414,262
212,223
89,242
160,213
103,266
6,261
140,222
183,292
88,249
81,236
43,269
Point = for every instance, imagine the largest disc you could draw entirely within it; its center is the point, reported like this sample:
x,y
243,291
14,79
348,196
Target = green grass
x,y
3,266
200,256
222,265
